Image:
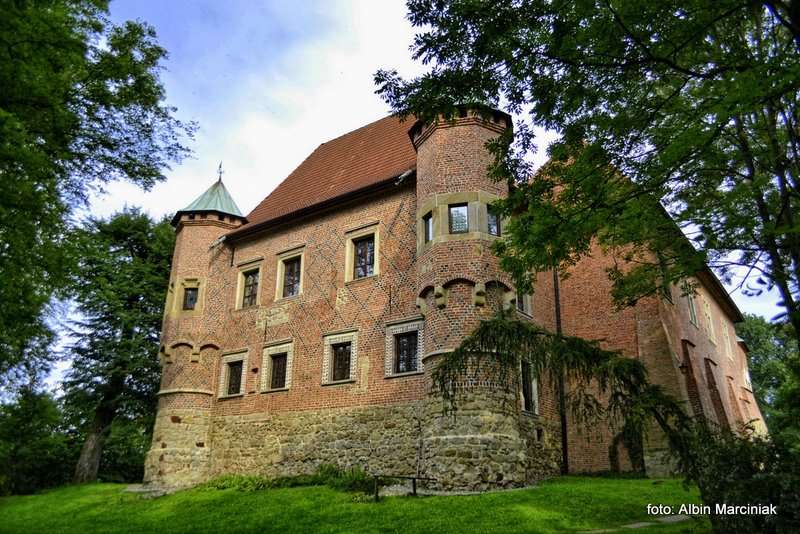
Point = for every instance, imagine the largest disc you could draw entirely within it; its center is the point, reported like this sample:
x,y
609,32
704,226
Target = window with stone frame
x,y
232,374
493,222
363,257
291,276
404,348
458,218
250,292
276,367
427,227
339,360
190,298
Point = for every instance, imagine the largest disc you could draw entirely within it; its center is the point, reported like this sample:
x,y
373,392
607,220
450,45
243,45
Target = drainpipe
x,y
562,401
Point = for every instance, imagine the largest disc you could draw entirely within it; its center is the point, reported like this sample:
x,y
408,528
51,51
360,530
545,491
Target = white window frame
x,y
244,268
224,375
418,326
283,257
266,365
372,229
327,356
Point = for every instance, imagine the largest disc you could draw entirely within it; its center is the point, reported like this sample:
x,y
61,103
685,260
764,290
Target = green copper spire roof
x,y
216,198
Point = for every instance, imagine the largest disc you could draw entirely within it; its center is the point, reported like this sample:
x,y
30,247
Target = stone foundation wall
x,y
378,439
475,450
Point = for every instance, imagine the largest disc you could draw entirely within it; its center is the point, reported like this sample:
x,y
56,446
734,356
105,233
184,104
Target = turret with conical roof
x,y
215,200
188,348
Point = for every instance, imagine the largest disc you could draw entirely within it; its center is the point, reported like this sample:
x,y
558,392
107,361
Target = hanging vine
x,y
602,383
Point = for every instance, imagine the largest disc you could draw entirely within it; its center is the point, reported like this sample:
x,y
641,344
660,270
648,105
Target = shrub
x,y
744,469
35,452
353,479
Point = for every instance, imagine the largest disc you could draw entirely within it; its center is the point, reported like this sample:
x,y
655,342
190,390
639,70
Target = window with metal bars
x,y
405,352
363,257
458,218
235,377
341,361
278,378
250,294
291,277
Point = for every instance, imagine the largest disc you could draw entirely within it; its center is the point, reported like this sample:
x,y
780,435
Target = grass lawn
x,y
565,504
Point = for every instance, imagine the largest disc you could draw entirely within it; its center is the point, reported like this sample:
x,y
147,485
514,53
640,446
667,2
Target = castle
x,y
305,333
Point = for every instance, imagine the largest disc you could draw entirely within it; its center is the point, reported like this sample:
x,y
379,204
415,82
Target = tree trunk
x,y
89,460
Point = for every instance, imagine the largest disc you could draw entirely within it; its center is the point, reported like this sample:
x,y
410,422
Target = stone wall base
x,y
190,447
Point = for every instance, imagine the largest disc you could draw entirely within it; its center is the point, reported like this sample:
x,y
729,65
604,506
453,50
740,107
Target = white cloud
x,y
268,122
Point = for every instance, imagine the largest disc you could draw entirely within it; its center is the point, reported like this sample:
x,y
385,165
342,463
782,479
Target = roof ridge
x,y
360,128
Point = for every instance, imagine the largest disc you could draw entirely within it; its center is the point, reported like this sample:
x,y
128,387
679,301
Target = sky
x,y
267,82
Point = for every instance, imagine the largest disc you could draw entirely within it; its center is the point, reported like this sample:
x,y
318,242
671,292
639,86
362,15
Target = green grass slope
x,y
561,505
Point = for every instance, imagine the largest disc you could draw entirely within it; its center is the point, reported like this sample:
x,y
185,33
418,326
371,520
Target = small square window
x,y
405,352
234,377
278,378
190,298
493,222
427,227
363,257
250,293
341,361
458,215
291,277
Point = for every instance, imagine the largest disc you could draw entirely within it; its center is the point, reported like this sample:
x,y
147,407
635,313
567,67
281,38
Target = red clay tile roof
x,y
364,157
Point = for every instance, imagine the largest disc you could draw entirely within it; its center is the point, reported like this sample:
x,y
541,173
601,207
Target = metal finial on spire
x,y
220,172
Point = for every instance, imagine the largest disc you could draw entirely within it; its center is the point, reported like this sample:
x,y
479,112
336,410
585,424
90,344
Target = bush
x,y
744,469
353,479
35,452
124,450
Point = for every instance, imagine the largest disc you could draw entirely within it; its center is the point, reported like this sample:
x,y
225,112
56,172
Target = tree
x,y
81,105
35,449
770,348
688,108
123,268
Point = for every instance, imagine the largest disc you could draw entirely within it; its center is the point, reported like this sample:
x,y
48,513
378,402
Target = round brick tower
x,y
459,282
179,453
